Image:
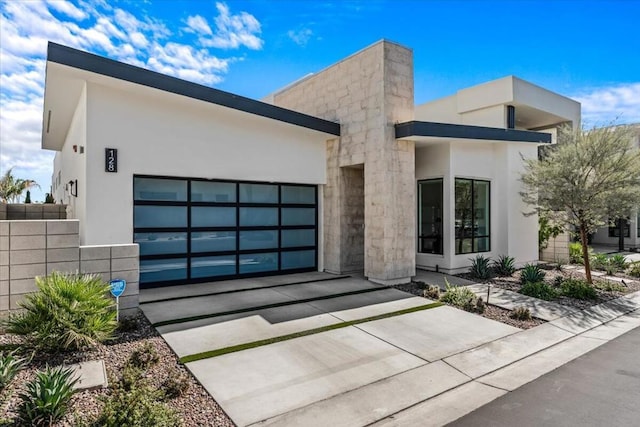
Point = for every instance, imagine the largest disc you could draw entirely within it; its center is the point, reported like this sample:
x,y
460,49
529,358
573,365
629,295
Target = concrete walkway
x,y
423,368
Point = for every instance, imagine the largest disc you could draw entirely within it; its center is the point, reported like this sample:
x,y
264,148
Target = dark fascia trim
x,y
448,130
107,67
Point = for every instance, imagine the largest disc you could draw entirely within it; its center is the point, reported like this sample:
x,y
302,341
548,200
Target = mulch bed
x,y
195,407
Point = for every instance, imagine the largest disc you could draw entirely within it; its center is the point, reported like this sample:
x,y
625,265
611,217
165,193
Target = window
x,y
430,216
614,231
472,216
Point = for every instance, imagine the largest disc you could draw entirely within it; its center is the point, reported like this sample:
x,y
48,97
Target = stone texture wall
x,y
367,93
32,211
558,249
29,249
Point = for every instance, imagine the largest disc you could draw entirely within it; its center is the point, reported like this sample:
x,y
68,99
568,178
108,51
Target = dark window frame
x,y
438,240
189,254
474,210
613,229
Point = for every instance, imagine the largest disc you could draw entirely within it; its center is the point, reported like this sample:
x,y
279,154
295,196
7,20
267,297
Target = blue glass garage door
x,y
194,230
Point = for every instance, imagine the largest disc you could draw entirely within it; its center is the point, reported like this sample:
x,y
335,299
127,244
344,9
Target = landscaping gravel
x,y
491,311
195,407
552,275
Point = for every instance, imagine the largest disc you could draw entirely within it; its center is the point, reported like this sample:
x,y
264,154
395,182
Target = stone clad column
x,y
368,93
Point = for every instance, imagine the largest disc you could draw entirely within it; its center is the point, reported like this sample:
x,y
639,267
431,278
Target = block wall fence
x,y
32,211
32,248
558,249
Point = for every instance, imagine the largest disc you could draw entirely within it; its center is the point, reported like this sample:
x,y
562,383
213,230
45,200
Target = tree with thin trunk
x,y
588,178
11,188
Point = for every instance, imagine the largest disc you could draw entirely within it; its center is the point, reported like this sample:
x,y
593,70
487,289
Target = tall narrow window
x,y
472,219
430,216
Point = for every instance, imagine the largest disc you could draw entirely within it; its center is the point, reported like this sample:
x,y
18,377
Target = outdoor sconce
x,y
73,185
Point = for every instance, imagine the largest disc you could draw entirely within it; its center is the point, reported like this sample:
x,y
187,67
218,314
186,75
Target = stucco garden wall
x,y
29,249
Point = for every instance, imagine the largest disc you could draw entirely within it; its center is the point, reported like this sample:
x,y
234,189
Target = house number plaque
x,y
110,160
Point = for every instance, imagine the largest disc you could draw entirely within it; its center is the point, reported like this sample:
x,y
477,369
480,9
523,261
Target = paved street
x,y
601,388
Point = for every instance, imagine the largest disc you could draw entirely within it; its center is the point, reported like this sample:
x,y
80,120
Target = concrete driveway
x,y
350,376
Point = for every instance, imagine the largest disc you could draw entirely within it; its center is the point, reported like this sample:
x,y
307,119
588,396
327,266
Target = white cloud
x,y
620,103
68,9
96,26
301,36
234,31
197,24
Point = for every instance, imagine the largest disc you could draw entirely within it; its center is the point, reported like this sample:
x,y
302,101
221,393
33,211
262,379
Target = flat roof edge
x,y
450,130
71,57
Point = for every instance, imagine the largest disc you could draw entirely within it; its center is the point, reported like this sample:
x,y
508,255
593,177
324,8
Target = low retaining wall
x,y
29,249
13,211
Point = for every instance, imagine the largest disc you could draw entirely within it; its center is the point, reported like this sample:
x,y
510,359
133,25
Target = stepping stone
x,y
91,374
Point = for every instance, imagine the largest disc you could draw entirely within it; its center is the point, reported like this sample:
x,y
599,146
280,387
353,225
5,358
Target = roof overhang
x,y
68,69
416,130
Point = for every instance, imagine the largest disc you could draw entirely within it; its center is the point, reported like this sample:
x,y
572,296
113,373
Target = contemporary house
x,y
609,236
337,172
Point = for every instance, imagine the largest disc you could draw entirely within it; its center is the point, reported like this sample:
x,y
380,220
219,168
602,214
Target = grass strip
x,y
254,344
266,306
233,291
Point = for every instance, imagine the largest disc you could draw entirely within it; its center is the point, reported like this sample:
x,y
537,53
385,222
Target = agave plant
x,y
504,265
68,312
531,273
480,267
45,399
10,365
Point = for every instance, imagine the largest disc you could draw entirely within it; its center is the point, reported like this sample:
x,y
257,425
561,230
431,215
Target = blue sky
x,y
587,50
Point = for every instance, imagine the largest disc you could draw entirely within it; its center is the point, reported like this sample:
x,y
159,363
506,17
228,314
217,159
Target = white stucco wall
x,y
512,233
72,165
157,133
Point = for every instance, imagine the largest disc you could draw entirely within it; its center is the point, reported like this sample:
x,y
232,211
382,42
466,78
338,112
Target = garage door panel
x,y
194,230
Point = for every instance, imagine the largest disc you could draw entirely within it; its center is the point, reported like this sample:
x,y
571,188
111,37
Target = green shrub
x,y
504,265
145,356
459,296
139,406
531,273
10,365
547,229
539,290
432,292
575,253
68,312
598,261
521,313
579,289
608,286
480,306
45,399
176,384
480,267
618,261
634,269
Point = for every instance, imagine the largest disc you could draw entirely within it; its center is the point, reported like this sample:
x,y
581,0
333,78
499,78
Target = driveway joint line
x,y
233,291
453,367
339,394
291,301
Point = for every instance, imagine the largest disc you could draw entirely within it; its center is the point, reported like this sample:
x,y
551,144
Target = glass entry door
x,y
194,230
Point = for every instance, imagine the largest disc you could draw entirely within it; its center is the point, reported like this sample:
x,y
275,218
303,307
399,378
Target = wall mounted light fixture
x,y
73,187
